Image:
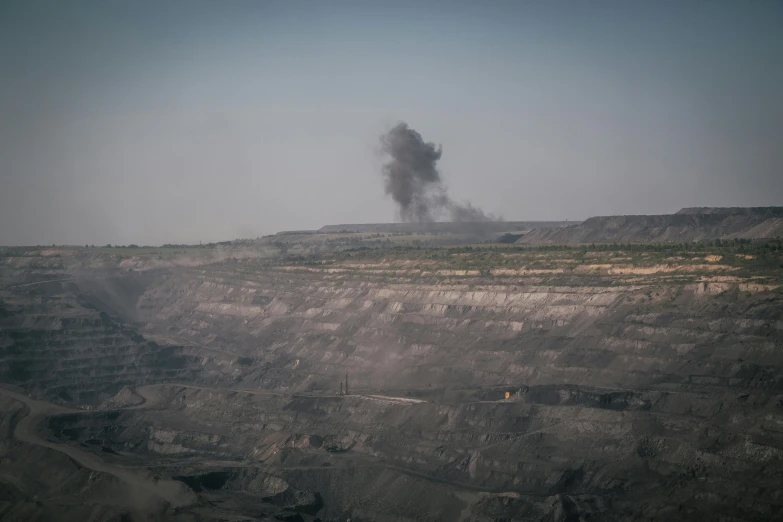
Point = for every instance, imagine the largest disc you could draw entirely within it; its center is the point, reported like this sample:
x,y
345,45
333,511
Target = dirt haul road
x,y
143,493
151,395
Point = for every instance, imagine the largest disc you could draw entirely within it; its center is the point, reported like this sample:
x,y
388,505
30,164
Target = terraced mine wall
x,y
486,384
76,339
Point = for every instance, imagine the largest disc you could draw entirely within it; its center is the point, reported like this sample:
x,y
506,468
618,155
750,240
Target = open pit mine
x,y
369,375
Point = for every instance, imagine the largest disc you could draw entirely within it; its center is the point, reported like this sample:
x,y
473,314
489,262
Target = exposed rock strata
x,y
633,391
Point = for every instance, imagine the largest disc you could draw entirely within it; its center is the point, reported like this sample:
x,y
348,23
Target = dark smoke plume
x,y
413,180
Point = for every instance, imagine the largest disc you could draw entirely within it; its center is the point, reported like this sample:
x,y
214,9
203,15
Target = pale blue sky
x,y
154,122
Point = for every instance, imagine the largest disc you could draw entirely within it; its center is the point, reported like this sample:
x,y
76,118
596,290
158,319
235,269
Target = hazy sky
x,y
163,121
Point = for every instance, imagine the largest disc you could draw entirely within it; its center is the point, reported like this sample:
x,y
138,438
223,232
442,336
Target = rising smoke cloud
x,y
414,183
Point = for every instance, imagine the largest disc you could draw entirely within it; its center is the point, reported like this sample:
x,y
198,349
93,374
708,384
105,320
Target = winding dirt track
x,y
146,494
143,492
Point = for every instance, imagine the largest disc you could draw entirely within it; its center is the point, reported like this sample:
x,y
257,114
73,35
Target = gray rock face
x,y
689,224
756,211
606,392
